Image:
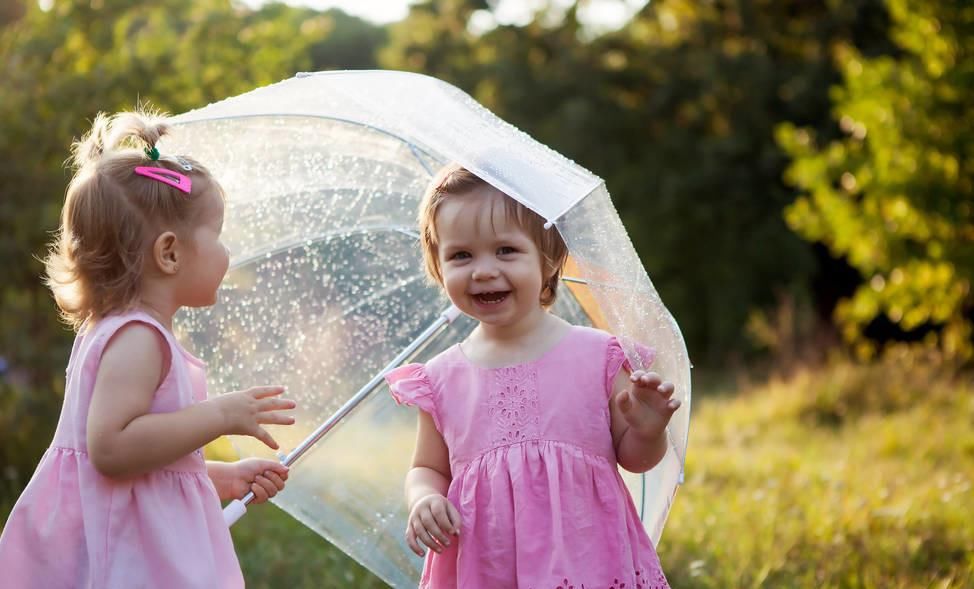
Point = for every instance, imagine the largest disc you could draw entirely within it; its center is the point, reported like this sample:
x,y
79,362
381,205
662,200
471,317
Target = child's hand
x,y
264,477
245,411
647,405
431,520
233,480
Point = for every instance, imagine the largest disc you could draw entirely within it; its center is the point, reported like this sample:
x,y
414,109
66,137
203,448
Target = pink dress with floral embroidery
x,y
534,471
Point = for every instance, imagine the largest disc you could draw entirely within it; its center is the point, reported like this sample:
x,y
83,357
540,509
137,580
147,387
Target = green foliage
x,y
894,195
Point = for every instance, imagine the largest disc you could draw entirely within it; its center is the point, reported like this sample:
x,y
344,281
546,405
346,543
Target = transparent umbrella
x,y
326,291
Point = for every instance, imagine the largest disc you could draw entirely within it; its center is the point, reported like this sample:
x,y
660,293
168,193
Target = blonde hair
x,y
111,215
454,180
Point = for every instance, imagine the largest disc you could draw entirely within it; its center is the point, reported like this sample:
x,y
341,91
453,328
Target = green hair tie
x,y
152,153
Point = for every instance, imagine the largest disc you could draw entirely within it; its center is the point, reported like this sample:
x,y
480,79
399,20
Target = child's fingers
x,y
275,404
263,486
267,391
275,417
423,535
411,541
259,491
275,479
641,394
624,402
442,517
646,379
262,435
666,389
433,529
274,468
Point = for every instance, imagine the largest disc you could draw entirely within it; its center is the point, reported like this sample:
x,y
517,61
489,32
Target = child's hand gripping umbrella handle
x,y
238,507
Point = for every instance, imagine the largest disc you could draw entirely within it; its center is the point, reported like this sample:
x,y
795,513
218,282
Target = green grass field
x,y
845,476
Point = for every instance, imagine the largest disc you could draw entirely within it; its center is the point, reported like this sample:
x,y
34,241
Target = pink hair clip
x,y
174,179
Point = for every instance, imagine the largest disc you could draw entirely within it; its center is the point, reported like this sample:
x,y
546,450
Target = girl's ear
x,y
165,253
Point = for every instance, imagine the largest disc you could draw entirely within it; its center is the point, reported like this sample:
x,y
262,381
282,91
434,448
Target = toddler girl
x,y
123,497
514,480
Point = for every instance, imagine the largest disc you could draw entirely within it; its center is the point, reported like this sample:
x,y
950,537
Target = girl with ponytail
x,y
123,497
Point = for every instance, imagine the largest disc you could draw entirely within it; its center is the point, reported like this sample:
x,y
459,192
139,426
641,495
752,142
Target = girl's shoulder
x,y
589,339
614,352
106,328
590,334
448,359
93,338
110,324
614,345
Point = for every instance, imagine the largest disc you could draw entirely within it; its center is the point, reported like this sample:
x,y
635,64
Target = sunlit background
x,y
796,177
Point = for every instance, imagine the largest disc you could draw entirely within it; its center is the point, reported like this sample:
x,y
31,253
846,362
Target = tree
x,y
893,195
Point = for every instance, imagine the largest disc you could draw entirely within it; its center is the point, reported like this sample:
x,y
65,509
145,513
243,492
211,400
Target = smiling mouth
x,y
491,298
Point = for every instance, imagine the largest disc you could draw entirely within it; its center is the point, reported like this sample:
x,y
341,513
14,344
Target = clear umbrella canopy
x,y
323,174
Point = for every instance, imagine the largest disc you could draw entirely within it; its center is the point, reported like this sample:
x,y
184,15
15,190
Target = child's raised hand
x,y
647,405
244,411
432,520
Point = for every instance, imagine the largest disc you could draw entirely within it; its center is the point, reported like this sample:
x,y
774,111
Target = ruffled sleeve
x,y
616,359
410,385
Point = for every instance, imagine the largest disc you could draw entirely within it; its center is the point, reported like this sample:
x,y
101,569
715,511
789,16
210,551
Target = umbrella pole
x,y
238,507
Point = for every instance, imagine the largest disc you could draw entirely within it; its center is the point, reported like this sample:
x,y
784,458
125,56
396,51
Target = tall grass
x,y
846,476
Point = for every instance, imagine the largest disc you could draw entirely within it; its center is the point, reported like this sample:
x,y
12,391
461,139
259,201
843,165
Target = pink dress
x,y
73,527
535,480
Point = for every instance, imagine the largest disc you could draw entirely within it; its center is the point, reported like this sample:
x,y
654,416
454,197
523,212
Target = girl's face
x,y
491,268
208,259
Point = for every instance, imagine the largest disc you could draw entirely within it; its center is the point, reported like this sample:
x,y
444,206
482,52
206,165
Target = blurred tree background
x,y
796,175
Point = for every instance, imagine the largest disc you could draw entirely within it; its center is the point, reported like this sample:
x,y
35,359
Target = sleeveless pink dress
x,y
73,527
534,472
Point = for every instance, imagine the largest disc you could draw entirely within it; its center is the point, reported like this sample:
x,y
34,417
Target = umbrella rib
x,y
413,148
342,232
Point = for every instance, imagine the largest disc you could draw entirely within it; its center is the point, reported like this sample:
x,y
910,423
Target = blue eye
x,y
504,250
459,256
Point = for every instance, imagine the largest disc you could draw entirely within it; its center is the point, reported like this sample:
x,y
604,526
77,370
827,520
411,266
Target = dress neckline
x,y
544,355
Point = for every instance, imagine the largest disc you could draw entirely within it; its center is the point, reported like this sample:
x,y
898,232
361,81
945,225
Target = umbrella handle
x,y
236,509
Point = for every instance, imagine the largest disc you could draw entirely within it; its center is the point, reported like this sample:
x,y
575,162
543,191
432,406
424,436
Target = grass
x,y
852,476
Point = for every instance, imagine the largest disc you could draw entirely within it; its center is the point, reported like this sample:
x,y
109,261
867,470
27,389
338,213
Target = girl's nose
x,y
485,272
